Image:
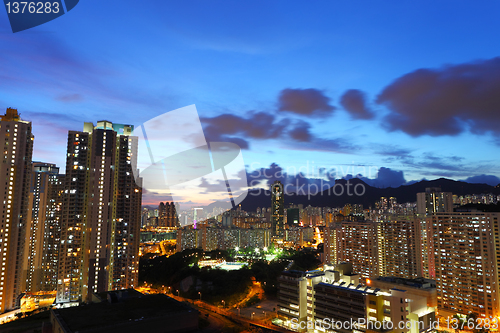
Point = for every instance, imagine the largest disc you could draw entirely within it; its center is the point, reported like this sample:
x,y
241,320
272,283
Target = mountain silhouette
x,y
405,193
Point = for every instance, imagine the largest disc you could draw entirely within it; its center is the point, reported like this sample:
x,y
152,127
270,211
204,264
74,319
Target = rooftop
x,y
420,283
12,115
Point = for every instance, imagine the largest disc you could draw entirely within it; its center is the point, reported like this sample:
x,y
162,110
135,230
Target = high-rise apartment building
x,y
101,212
464,258
43,229
167,215
277,208
434,201
356,243
189,238
390,247
399,248
16,144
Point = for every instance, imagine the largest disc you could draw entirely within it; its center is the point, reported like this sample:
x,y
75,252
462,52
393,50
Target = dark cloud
x,y
449,163
293,178
354,102
445,101
483,179
386,177
301,132
311,102
321,179
229,128
260,125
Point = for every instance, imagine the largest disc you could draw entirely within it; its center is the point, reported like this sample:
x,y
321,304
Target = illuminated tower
x,y
43,227
101,212
277,208
16,144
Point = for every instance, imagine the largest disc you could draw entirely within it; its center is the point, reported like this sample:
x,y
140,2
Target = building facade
x,y
464,258
167,215
16,143
354,242
333,301
101,212
399,248
209,237
43,227
434,201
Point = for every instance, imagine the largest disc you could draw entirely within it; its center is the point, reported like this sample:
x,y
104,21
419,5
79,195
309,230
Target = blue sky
x,y
421,79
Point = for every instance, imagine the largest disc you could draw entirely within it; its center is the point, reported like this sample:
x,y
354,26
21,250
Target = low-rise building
x,y
333,300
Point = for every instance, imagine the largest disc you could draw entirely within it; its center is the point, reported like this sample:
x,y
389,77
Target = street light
x,y
177,293
199,292
253,314
224,304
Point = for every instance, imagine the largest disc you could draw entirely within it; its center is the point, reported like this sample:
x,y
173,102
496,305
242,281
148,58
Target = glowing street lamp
x,y
236,249
199,292
257,250
265,248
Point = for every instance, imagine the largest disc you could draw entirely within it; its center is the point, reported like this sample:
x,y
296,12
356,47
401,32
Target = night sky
x,y
396,91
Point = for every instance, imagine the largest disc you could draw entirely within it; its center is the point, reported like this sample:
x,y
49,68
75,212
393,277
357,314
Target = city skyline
x,y
343,85
260,166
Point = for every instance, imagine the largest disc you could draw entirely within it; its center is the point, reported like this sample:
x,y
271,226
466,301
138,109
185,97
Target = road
x,y
217,323
256,289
